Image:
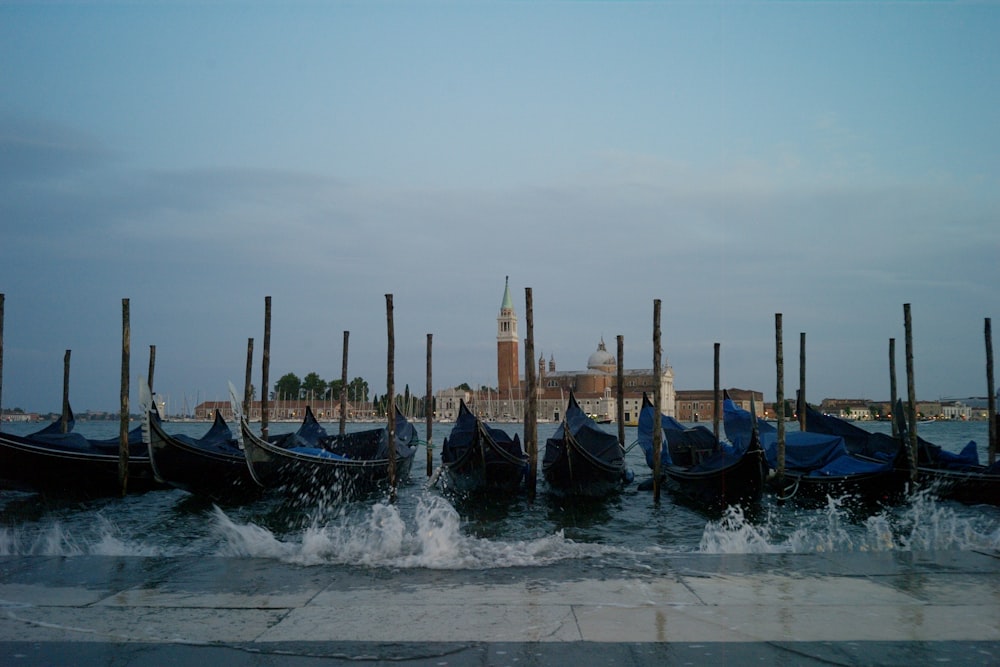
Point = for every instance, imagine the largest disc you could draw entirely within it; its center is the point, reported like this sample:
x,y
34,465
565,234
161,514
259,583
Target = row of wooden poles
x,y
531,407
911,402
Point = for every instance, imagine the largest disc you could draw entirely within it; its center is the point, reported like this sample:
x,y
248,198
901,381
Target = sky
x,y
828,161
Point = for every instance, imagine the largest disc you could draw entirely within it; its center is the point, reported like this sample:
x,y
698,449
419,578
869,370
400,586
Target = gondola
x,y
818,466
52,461
696,467
310,464
477,457
213,466
949,475
582,459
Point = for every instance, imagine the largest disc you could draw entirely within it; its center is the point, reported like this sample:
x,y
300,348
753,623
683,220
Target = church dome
x,y
601,359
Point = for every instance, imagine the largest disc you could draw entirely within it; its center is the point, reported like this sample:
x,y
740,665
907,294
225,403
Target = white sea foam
x,y
380,536
429,533
733,533
920,524
102,538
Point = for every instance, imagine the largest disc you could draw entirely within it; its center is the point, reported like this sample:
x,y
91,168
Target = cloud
x,y
33,149
198,249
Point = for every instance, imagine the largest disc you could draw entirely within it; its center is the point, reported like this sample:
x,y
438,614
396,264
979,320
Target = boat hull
x,y
200,470
311,477
972,487
476,472
29,464
739,484
887,486
477,458
570,470
582,459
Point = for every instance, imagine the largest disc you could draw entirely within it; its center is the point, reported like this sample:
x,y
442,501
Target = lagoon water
x,y
425,528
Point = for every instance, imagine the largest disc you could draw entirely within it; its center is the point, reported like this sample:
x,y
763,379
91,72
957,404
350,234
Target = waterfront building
x,y
695,405
595,387
20,417
853,408
446,402
958,410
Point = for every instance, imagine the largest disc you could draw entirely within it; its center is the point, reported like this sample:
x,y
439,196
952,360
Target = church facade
x,y
596,387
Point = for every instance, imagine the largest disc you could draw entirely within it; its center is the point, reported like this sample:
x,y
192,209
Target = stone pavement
x,y
883,608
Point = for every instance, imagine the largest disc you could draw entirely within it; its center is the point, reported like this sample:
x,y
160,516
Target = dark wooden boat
x,y
955,476
582,459
311,464
477,457
213,465
818,466
695,466
68,463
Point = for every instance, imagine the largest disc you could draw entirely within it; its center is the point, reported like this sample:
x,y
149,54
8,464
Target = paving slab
x,y
881,608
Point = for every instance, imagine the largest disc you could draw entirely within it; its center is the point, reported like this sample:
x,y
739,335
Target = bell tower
x,y
508,376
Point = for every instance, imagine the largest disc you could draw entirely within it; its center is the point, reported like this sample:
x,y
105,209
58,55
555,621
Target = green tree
x,y
357,390
288,386
464,387
313,385
333,389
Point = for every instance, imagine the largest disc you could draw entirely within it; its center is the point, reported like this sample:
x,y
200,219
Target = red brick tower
x,y
508,375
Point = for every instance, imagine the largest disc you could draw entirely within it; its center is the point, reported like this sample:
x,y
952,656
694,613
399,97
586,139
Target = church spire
x,y
507,303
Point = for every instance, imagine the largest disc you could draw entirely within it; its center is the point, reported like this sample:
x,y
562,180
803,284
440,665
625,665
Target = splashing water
x,y
920,524
380,537
733,533
427,531
928,525
53,539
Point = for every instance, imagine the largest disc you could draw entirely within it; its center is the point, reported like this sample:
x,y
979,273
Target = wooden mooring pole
x,y
620,391
265,367
64,419
531,411
991,401
911,392
152,368
657,402
3,299
715,393
123,417
801,407
429,407
779,394
893,394
248,384
390,406
343,386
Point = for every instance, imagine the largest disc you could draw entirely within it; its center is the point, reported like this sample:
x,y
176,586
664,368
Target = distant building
x,y
595,387
21,417
695,405
446,402
957,410
852,408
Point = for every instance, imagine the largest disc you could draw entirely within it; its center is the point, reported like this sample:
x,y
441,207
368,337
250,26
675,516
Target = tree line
x,y
290,387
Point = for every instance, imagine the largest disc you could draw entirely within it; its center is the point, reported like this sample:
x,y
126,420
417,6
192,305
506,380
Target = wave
x,y
380,537
429,533
921,524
